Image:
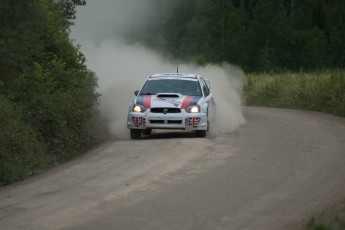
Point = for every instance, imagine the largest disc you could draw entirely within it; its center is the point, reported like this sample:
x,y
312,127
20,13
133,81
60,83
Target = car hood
x,y
167,100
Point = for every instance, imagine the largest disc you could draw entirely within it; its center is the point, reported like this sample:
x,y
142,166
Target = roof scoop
x,y
169,95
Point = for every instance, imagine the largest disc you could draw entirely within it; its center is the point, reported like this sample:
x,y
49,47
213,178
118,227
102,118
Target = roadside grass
x,y
335,223
332,219
322,91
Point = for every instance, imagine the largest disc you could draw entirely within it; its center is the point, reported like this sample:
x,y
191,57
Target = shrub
x,y
21,153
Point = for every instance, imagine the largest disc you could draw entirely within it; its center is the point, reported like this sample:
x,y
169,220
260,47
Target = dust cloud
x,y
123,68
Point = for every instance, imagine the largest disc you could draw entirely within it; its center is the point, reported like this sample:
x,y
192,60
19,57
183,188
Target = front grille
x,y
166,122
168,110
157,121
174,122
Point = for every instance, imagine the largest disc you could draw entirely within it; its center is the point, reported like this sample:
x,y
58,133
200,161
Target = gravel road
x,y
275,172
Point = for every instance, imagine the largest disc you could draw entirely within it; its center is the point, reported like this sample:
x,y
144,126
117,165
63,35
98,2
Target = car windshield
x,y
184,87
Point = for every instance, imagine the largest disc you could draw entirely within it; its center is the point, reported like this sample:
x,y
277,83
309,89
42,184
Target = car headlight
x,y
193,109
139,108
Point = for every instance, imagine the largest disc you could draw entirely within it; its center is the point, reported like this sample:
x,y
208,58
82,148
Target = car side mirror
x,y
136,92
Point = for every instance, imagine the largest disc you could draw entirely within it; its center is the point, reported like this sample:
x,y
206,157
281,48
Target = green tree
x,y
258,35
45,84
335,31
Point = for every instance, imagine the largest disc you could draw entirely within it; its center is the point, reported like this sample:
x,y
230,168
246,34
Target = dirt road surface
x,y
275,172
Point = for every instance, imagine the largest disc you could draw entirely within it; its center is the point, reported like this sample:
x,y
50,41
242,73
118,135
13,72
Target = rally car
x,y
172,101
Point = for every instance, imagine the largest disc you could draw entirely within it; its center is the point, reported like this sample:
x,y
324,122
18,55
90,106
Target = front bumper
x,y
183,120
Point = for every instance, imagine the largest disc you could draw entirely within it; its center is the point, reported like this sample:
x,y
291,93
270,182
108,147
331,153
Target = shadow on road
x,y
168,134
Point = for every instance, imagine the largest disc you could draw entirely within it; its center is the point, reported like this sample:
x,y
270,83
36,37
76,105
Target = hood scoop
x,y
168,95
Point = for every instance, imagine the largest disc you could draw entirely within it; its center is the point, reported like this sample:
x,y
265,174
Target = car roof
x,y
175,75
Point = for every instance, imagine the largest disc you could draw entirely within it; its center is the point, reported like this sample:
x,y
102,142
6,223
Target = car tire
x,y
147,132
135,133
200,133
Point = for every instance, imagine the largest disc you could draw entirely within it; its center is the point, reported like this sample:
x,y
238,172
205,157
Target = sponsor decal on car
x,y
192,121
173,102
144,100
148,100
190,100
137,121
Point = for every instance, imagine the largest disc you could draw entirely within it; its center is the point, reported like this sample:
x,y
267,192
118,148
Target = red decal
x,y
136,121
147,101
186,102
195,121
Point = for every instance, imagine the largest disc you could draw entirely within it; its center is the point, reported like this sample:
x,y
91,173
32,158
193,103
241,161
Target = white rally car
x,y
172,101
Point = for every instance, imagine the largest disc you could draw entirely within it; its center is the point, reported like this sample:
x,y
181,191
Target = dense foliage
x,y
318,91
257,35
48,103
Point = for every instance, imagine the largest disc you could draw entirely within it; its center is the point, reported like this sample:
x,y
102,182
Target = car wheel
x,y
147,131
135,133
200,133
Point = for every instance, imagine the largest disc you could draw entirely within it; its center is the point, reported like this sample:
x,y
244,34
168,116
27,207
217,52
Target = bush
x,y
21,153
48,104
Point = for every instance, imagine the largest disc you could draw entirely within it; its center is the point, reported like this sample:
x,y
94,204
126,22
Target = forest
x,y
292,51
256,35
48,102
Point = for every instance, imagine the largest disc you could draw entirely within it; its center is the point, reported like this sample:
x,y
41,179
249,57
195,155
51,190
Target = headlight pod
x,y
193,109
139,108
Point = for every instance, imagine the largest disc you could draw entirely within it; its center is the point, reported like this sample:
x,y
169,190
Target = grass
x,y
335,223
322,91
333,219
